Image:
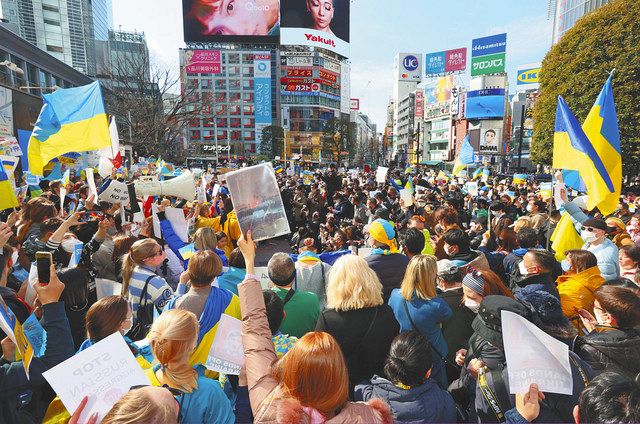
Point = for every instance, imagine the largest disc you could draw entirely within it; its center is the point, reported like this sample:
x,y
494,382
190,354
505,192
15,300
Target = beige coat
x,y
268,402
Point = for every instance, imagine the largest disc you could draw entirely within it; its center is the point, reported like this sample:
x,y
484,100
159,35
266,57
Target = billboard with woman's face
x,y
251,21
316,23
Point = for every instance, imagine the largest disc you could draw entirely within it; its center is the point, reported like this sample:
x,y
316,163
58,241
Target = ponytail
x,y
127,270
139,251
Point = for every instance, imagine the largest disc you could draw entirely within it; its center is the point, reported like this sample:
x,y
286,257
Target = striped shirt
x,y
158,291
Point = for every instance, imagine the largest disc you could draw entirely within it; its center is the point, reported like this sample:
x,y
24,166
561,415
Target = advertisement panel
x,y
316,23
408,67
251,21
419,111
456,60
262,92
6,111
299,61
485,104
300,72
202,61
490,140
528,76
354,104
434,63
488,54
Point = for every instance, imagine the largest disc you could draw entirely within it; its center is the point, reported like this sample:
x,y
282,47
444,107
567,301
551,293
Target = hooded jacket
x,y
269,403
617,348
427,403
576,291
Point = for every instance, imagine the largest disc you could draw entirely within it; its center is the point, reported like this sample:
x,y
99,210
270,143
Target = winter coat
x,y
617,349
427,403
457,330
390,270
576,291
536,282
268,401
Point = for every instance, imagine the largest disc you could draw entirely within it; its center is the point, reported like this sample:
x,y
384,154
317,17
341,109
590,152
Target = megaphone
x,y
183,186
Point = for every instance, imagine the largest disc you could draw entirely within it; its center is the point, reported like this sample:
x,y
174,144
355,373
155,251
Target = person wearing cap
x,y
385,258
617,231
594,233
477,228
457,330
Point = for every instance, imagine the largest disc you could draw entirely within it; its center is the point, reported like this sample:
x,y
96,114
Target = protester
x,y
146,404
385,259
535,272
311,272
230,279
629,260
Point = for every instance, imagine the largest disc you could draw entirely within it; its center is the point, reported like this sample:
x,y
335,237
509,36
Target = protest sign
x,y
257,202
407,197
91,183
8,320
557,195
104,372
36,335
381,174
262,272
546,190
472,188
227,353
9,146
216,189
115,192
106,288
187,251
533,356
74,260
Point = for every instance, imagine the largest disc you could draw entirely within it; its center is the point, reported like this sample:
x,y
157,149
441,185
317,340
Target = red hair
x,y
315,373
493,284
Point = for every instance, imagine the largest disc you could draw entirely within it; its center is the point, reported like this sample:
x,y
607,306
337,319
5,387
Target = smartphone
x,y
43,264
92,216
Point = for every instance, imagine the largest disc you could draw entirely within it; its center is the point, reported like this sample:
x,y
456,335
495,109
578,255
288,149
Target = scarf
x,y
382,231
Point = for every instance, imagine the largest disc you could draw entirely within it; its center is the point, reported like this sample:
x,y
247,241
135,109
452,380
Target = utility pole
x,y
521,136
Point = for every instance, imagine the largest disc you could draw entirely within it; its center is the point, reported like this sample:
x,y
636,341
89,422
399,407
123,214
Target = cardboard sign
x,y
381,174
533,356
227,352
104,372
115,192
407,197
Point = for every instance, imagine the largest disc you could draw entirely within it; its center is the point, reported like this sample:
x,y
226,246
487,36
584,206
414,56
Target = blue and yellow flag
x,y
565,237
519,178
409,186
7,194
476,174
466,156
71,120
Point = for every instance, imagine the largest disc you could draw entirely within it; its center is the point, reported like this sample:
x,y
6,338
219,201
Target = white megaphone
x,y
183,186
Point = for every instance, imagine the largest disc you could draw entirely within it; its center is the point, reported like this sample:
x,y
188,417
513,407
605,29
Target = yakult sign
x,y
408,67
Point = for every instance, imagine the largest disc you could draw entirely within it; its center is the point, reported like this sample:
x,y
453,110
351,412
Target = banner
x,y
262,92
449,61
202,61
488,55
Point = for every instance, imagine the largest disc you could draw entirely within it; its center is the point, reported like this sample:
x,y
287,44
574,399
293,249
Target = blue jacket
x,y
427,403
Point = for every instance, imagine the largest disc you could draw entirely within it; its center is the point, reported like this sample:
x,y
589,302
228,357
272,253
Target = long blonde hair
x,y
420,278
140,250
205,239
353,285
173,337
137,406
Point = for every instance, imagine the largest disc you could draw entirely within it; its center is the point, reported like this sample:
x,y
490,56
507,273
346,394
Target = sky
x,y
379,30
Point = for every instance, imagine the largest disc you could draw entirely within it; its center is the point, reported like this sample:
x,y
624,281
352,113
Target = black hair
x,y
457,237
414,241
542,206
610,398
527,238
409,359
497,206
544,259
275,310
236,259
76,287
490,131
456,277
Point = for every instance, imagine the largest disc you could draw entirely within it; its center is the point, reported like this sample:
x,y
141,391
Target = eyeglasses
x,y
590,229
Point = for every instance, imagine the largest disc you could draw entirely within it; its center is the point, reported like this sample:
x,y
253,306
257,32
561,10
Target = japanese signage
x,y
529,76
202,61
262,92
419,110
446,62
488,55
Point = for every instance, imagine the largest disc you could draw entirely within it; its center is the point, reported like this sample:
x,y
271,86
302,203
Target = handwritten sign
x,y
262,272
115,192
227,353
104,372
381,174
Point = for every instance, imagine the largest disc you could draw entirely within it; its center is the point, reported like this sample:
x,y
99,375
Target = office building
x,y
122,60
567,12
407,74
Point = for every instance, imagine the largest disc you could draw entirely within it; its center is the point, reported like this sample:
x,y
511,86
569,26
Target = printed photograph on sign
x,y
316,23
231,21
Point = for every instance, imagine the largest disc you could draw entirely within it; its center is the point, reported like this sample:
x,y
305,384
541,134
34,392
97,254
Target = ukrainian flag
x,y
601,127
565,237
71,120
7,194
409,186
519,178
476,174
573,150
466,156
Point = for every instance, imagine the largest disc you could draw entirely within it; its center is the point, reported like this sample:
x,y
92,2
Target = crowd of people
x,y
386,309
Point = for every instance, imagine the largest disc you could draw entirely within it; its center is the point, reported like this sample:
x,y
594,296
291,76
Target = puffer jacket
x,y
427,403
269,403
576,292
390,270
617,349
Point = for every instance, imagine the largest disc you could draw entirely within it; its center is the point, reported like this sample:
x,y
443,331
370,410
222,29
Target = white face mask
x,y
529,208
523,268
472,304
588,236
14,257
69,245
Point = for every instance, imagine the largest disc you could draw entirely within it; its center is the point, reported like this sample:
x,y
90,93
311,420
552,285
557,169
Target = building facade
x,y
567,13
66,29
366,139
123,59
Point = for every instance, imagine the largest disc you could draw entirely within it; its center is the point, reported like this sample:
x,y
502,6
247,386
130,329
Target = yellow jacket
x,y
576,291
214,223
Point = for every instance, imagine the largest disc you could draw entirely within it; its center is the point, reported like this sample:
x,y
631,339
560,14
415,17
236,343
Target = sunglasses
x,y
590,229
174,392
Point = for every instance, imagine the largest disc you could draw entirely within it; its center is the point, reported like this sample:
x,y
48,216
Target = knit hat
x,y
475,282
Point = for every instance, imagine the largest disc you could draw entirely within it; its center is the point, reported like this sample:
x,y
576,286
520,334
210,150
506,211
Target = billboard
x,y
488,55
224,21
408,67
528,76
419,110
446,62
262,92
490,140
354,104
202,61
485,104
345,86
316,23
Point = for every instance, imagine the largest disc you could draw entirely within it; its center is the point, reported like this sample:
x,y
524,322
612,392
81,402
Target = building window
x,y
50,8
51,22
55,49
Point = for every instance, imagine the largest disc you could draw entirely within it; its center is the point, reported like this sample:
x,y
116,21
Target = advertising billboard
x,y
408,67
262,92
202,61
345,86
488,55
485,104
528,76
446,62
490,140
434,63
354,104
316,23
224,21
419,111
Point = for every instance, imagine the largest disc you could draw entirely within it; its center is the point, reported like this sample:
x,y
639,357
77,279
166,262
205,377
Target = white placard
x,y
533,356
91,183
104,372
262,272
381,174
557,195
227,353
63,195
116,192
214,193
407,197
472,188
106,288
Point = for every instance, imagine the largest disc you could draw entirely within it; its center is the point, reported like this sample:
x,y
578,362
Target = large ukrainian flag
x,y
573,150
71,120
7,194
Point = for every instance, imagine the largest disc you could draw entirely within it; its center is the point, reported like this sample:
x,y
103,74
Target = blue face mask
x,y
566,266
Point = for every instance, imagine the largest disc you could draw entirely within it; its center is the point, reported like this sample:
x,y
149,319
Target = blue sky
x,y
379,30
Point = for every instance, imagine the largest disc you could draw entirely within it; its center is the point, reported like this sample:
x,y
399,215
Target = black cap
x,y
488,323
600,224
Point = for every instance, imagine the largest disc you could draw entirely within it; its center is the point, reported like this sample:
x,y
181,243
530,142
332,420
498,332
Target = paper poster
x,y
104,372
106,288
546,190
533,356
74,260
187,251
472,188
557,195
91,183
227,353
407,197
9,146
216,189
176,217
115,192
262,272
381,174
35,334
257,201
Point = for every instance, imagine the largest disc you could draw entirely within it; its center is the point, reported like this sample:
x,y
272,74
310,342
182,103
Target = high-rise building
x,y
567,12
66,29
123,59
407,74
